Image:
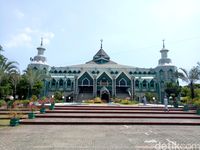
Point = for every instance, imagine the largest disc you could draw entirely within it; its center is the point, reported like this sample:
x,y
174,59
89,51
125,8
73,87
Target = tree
x,y
190,77
34,76
6,69
172,89
14,80
37,88
22,87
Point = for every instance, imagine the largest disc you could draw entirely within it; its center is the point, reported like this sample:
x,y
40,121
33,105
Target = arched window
x,y
137,84
122,82
144,84
170,74
61,83
152,84
69,83
85,81
161,72
60,71
55,71
35,68
53,83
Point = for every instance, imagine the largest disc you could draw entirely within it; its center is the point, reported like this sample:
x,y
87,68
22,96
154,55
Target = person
x,y
166,103
144,100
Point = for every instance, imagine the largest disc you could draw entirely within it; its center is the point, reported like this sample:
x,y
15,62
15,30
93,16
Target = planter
x,y
186,108
14,122
42,110
176,105
31,115
198,111
52,107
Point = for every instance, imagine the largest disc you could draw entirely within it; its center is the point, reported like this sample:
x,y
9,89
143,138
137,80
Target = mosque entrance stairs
x,y
114,115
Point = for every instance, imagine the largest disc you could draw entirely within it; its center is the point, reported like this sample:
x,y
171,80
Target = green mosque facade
x,y
102,77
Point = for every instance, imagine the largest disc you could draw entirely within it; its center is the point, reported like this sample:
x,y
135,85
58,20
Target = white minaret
x,y
164,59
39,58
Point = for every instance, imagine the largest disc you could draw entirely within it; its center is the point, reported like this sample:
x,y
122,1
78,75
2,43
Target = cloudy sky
x,y
132,30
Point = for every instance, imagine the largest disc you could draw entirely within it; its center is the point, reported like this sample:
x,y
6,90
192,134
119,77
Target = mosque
x,y
104,78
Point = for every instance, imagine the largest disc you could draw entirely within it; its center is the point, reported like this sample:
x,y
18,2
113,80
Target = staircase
x,y
114,115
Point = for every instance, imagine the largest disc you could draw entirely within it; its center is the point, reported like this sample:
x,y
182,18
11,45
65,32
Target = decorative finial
x,y
163,43
41,41
101,43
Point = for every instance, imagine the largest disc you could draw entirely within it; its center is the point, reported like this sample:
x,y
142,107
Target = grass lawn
x,y
4,122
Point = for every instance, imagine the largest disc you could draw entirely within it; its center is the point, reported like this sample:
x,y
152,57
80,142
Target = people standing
x,y
144,100
166,103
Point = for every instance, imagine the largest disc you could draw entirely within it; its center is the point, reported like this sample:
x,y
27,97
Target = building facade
x,y
104,78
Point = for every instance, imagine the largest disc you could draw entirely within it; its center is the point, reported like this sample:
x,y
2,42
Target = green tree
x,y
14,80
33,76
190,77
172,89
23,87
58,95
151,97
6,69
37,88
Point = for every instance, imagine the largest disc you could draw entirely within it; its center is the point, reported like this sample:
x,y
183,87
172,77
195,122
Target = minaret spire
x,y
41,41
163,43
101,43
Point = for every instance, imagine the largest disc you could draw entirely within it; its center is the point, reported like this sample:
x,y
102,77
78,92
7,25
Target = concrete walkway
x,y
120,137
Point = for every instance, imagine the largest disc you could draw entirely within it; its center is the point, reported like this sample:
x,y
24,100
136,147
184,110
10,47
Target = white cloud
x,y
21,39
19,14
26,37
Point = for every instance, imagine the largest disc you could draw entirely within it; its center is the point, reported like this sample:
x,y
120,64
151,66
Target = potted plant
x,y
14,116
32,107
42,106
14,119
197,104
186,103
51,107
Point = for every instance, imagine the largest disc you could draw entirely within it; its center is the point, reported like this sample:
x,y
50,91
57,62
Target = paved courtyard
x,y
97,137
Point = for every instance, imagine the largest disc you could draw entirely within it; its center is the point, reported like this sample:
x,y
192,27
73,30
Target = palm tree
x,y
34,76
14,80
190,77
7,68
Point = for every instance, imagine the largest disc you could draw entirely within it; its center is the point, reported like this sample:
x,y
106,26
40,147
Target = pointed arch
x,y
144,84
137,83
85,79
53,82
122,82
61,83
152,84
85,82
104,80
123,79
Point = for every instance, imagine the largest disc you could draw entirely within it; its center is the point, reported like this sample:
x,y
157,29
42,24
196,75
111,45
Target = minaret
x,y
40,58
164,59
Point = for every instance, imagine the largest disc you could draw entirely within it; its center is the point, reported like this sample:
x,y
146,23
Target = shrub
x,y
197,103
2,103
89,101
97,100
128,102
34,98
25,102
116,100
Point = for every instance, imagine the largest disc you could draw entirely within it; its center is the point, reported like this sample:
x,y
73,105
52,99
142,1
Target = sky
x,y
132,30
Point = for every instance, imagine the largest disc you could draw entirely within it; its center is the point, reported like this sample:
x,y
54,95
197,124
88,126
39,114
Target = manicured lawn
x,y
4,122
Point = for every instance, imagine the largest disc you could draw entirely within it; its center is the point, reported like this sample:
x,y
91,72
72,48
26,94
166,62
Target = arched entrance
x,y
105,94
105,97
